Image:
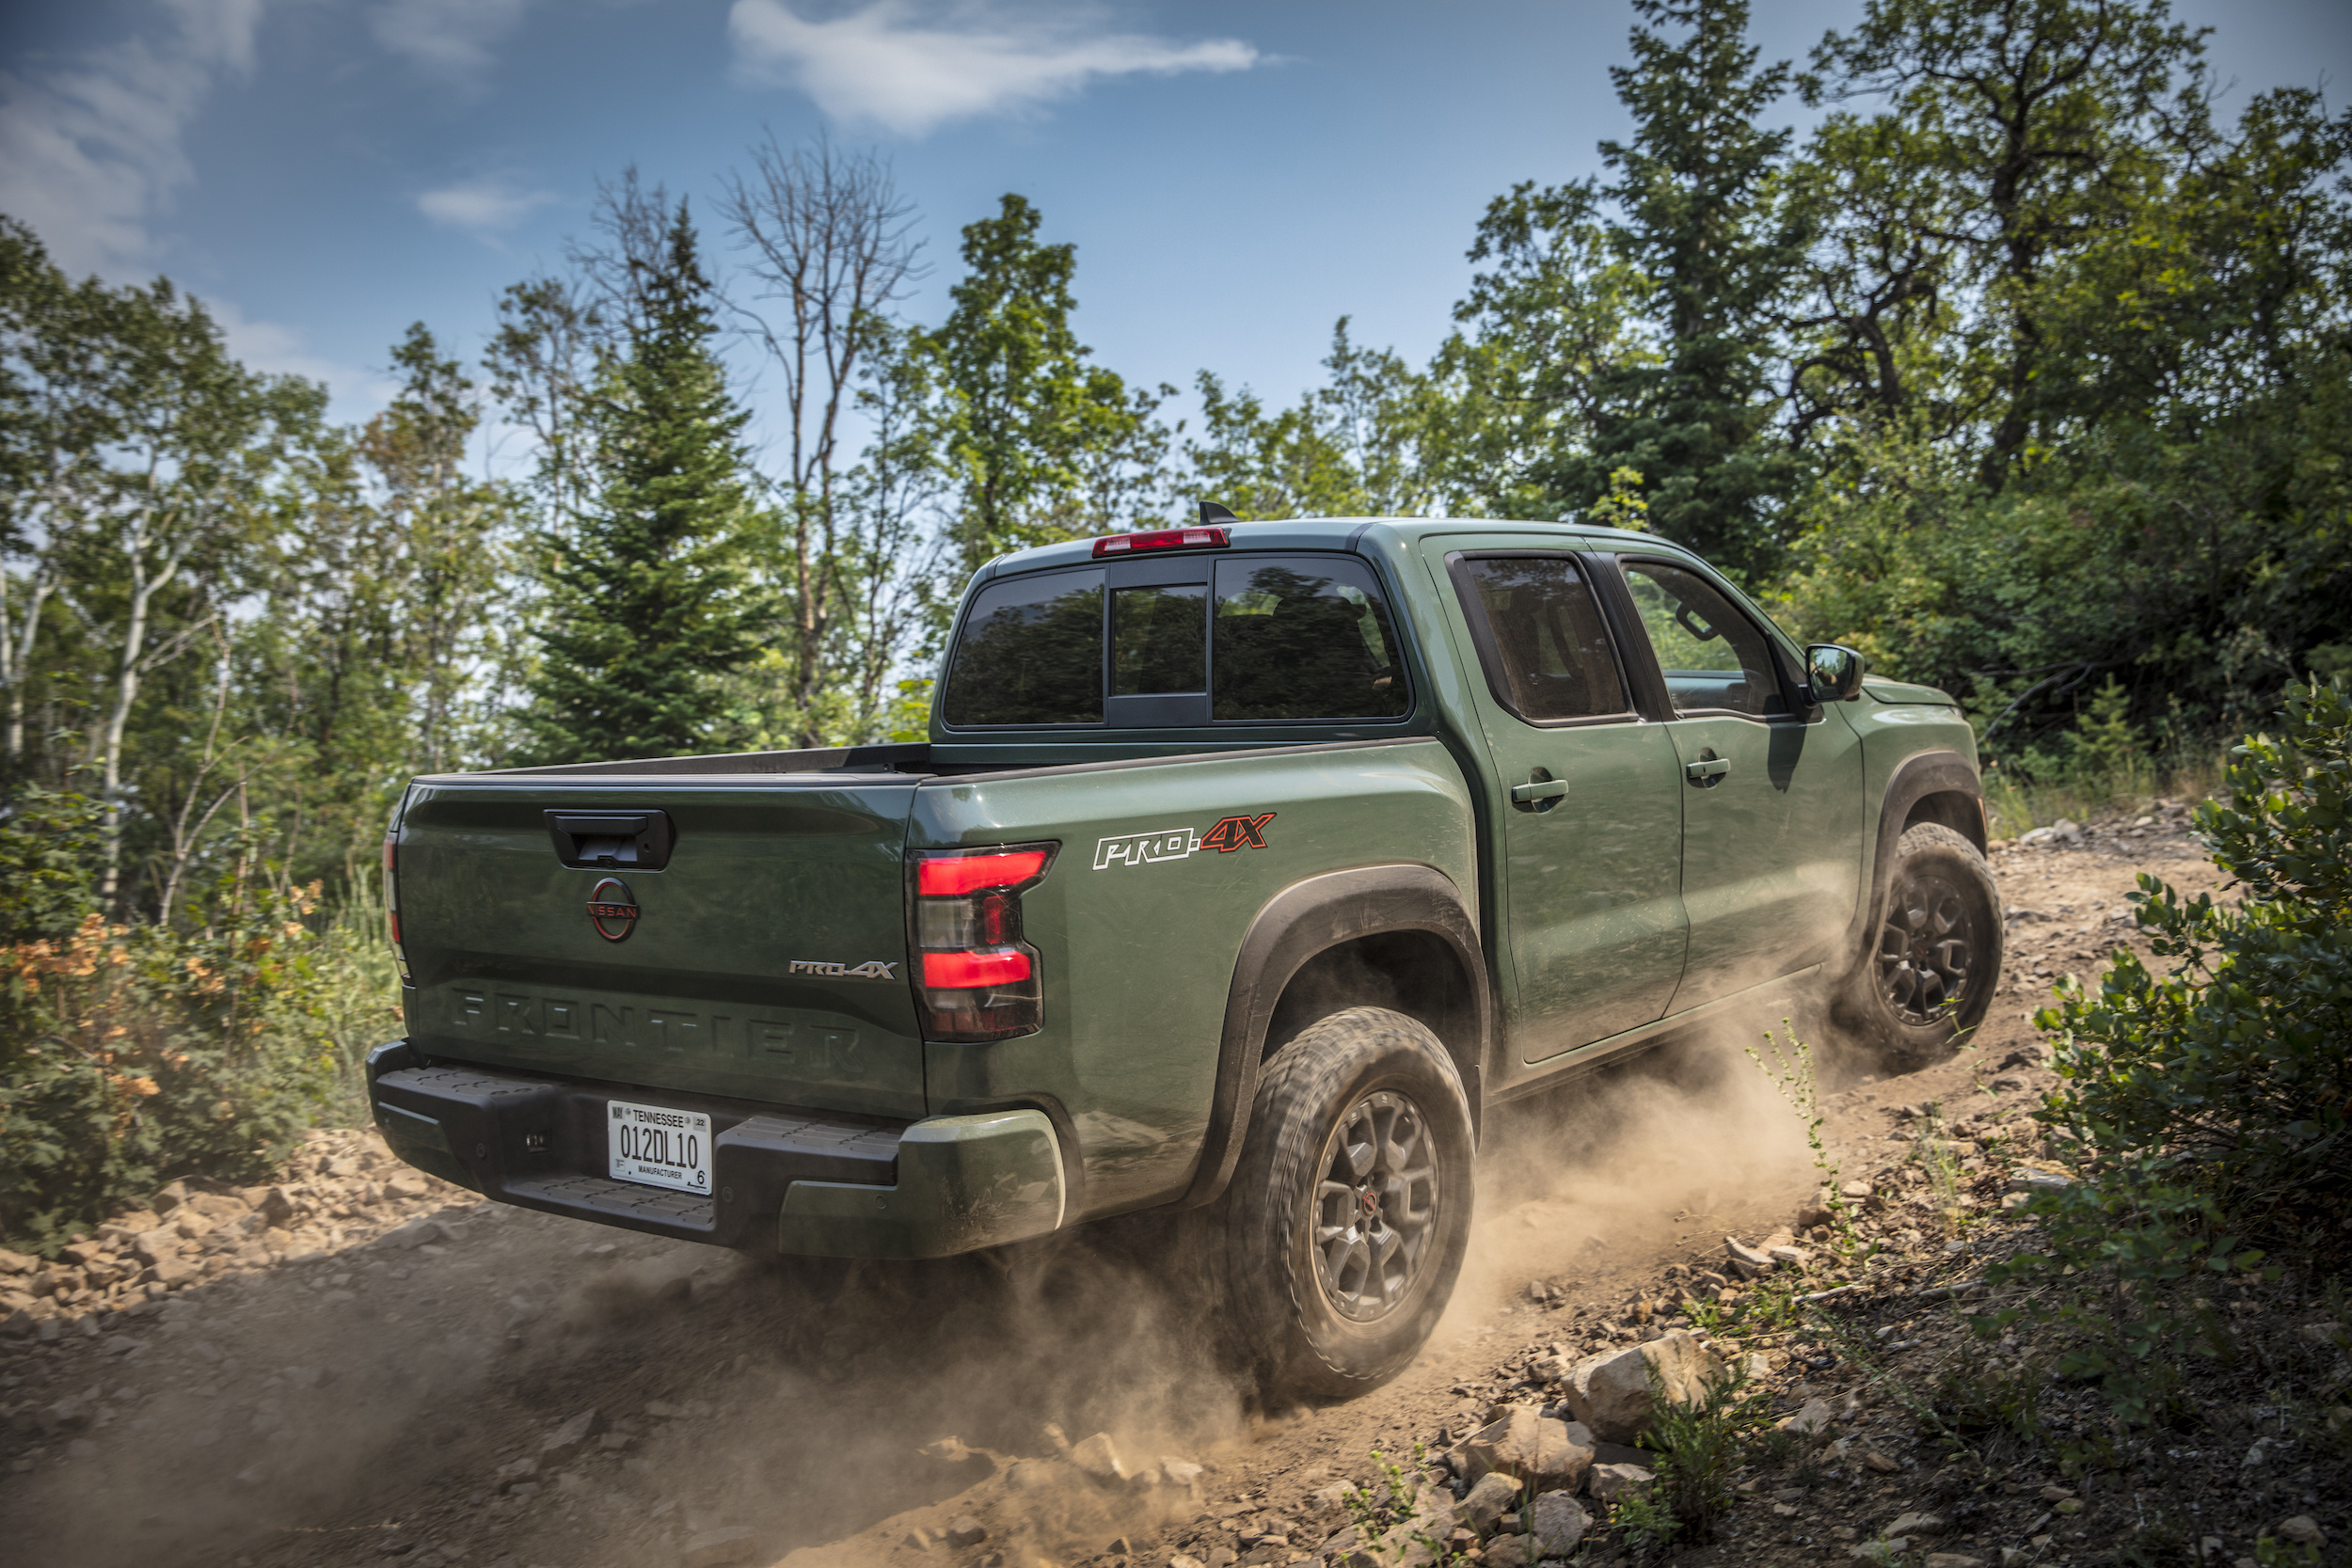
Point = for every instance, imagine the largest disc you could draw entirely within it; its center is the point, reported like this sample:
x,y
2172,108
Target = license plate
x,y
658,1146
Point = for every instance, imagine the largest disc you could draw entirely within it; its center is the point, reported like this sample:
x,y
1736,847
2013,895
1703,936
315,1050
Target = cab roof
x,y
1312,533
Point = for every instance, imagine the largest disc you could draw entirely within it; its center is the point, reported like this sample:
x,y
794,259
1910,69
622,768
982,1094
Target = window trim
x,y
1639,633
1152,571
1490,658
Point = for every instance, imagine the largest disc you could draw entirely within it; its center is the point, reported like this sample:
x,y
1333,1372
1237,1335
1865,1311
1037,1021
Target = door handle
x,y
1538,789
1706,772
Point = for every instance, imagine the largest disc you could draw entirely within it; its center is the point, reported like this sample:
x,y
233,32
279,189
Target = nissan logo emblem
x,y
613,910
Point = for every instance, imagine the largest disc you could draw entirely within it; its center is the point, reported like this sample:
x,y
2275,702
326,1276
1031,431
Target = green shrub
x,y
133,1055
2236,1066
2209,1101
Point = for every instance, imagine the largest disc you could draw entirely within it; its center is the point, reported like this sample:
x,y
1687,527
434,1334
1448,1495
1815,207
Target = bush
x,y
2210,1102
131,1054
2236,1066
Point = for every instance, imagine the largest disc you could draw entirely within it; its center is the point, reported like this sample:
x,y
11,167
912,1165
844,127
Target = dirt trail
x,y
531,1391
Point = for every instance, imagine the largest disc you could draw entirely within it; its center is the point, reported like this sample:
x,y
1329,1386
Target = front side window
x,y
1547,648
1714,657
1304,637
1031,653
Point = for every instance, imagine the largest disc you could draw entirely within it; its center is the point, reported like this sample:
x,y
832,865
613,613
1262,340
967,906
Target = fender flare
x,y
1307,918
1915,778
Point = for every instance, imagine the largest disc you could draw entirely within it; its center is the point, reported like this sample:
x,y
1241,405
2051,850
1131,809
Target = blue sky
x,y
1235,176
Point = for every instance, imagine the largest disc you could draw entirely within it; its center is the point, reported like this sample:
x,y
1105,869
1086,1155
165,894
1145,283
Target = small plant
x,y
1934,1156
1699,1446
1388,1517
1643,1524
1791,1071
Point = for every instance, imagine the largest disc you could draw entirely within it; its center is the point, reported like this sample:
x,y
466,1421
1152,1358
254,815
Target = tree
x,y
830,253
1022,415
649,601
1701,222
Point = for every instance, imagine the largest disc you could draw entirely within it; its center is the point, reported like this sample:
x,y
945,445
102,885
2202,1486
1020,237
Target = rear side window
x,y
1304,637
1546,647
1031,653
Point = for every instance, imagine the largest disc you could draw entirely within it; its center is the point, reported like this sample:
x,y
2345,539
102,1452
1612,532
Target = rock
x,y
1181,1560
1880,1463
1549,1370
1556,1523
276,1209
171,1197
1608,1483
713,1548
1099,1459
1507,1551
1884,1552
567,1440
1544,1454
2014,1556
414,1234
1953,1559
2055,1494
1813,1215
2303,1530
1810,1421
2323,1333
1916,1524
1609,1391
1495,1494
2039,1178
918,1538
1746,1261
1855,1191
963,1531
17,1262
1790,1258
1179,1472
152,1246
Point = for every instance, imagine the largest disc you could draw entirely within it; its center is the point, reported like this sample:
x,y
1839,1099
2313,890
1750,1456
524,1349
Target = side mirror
x,y
1833,673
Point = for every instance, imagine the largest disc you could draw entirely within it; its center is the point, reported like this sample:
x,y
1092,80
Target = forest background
x,y
2025,371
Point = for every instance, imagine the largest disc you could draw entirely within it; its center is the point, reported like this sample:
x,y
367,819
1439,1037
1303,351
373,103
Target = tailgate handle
x,y
611,840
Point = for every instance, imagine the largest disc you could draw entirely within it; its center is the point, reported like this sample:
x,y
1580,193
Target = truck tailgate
x,y
765,960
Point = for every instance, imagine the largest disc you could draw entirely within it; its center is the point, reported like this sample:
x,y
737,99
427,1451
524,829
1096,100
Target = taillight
x,y
391,901
1163,539
975,977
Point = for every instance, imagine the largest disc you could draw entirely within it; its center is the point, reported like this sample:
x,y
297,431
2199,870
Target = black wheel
x,y
1350,1209
1935,953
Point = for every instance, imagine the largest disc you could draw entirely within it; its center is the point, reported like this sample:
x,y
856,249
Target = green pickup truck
x,y
1248,865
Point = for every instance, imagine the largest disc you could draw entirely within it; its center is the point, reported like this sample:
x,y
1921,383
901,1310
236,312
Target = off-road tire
x,y
1334,1321
1932,957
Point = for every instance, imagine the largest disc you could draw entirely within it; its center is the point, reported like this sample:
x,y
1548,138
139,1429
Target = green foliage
x,y
1647,1525
649,602
2212,1099
1699,1448
1793,1077
137,1054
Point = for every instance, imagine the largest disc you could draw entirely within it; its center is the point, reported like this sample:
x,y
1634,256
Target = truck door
x,y
1771,798
1587,803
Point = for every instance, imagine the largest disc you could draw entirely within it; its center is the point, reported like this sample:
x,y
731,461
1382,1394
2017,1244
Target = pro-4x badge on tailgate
x,y
1175,843
872,968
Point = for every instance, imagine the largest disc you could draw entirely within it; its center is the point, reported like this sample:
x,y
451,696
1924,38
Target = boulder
x,y
1608,1483
1556,1523
1546,1455
1099,1459
1609,1391
1746,1261
1495,1495
963,1531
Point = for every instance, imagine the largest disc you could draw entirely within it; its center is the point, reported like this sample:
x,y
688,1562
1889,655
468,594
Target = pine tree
x,y
649,601
1698,221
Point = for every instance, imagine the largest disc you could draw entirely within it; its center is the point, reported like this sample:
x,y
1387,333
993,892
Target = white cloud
x,y
447,38
90,148
910,67
482,206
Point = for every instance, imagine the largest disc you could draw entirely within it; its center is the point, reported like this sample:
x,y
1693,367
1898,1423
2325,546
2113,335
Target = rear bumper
x,y
804,1182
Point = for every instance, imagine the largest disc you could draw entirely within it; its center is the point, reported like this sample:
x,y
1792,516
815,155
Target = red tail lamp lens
x,y
956,876
1163,539
967,971
978,980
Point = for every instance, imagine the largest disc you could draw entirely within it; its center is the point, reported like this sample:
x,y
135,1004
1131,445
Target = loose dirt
x,y
433,1379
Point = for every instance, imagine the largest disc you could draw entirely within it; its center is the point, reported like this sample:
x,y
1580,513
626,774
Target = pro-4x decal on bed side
x,y
1174,843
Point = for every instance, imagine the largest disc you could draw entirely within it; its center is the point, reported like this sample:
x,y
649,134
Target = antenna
x,y
1212,512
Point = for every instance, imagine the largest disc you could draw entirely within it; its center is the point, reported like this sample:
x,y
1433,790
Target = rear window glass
x,y
1550,647
1031,653
1159,639
1304,638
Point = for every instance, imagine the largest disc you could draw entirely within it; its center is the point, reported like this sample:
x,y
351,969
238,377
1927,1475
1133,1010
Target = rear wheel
x,y
1348,1215
1934,952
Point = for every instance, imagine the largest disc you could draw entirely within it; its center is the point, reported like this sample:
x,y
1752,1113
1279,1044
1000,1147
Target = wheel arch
x,y
1926,786
1407,926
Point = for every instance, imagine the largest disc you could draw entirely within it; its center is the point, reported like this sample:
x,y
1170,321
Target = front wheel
x,y
1935,953
1349,1212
